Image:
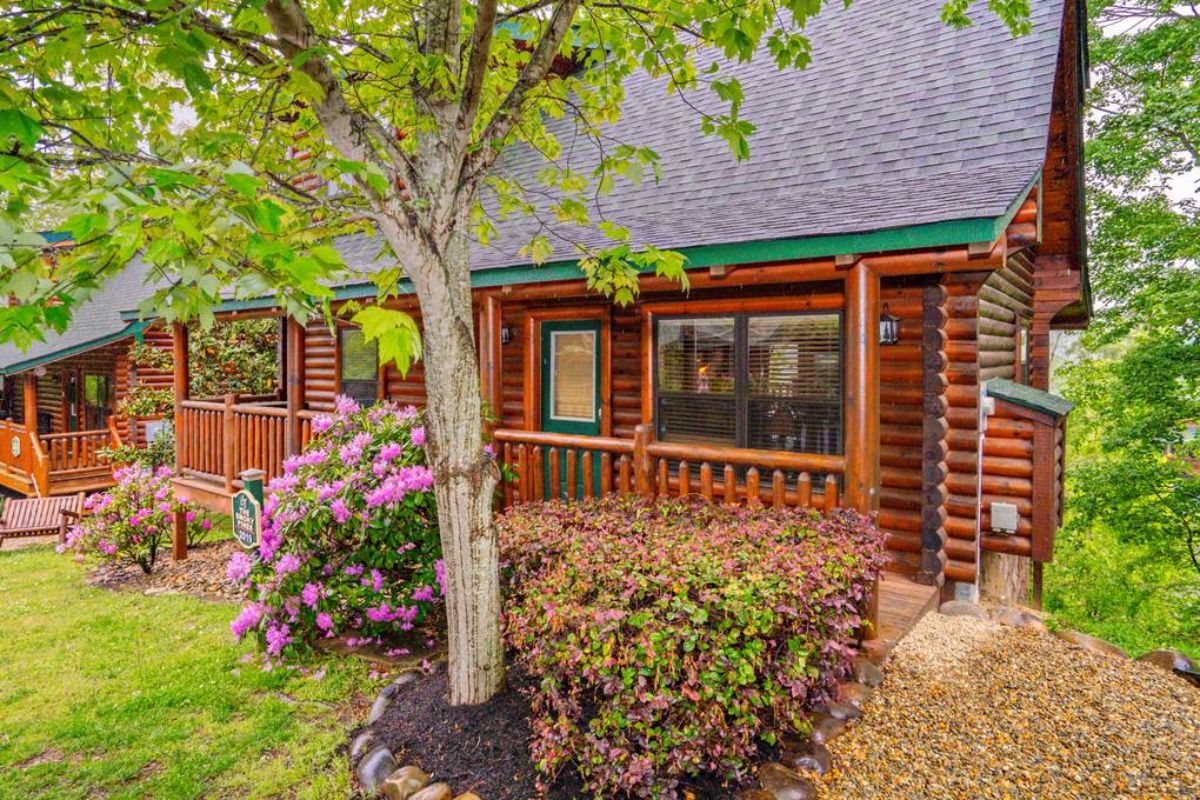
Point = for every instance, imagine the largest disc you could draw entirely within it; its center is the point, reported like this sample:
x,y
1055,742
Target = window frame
x,y
340,351
741,371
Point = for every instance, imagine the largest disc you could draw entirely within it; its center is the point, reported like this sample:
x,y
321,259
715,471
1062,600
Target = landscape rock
x,y
405,679
807,756
1018,618
1091,643
854,693
375,768
867,673
379,707
825,728
361,744
404,783
961,608
784,784
467,796
843,711
436,791
755,794
1170,660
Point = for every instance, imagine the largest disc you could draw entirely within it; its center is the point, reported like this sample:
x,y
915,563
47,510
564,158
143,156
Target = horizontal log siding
x,y
320,366
1005,304
962,416
900,428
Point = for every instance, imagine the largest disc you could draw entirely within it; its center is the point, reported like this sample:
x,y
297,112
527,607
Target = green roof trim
x,y
1028,397
133,329
928,235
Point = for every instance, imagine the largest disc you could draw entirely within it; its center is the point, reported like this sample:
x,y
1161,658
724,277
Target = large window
x,y
766,381
359,366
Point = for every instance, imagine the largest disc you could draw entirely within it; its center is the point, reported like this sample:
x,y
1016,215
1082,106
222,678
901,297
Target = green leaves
x,y
396,332
19,126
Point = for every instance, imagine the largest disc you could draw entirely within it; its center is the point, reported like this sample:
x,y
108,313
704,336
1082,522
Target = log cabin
x,y
60,398
868,320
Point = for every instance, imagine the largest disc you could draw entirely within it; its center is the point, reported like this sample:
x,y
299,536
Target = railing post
x,y
642,468
227,441
181,386
294,378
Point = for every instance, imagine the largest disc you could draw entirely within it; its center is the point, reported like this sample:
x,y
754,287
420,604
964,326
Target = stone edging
x,y
375,765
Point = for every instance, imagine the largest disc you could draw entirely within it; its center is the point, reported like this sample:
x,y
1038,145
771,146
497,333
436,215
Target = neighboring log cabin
x,y
60,397
901,244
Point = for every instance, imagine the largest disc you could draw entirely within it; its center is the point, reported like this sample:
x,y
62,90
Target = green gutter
x,y
910,237
134,329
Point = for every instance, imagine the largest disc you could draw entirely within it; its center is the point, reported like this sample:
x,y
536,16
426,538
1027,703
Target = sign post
x,y
247,509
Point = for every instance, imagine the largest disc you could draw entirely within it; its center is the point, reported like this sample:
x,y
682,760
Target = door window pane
x,y
696,381
573,376
359,366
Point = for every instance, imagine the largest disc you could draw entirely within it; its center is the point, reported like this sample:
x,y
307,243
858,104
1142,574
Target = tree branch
x,y
509,112
477,66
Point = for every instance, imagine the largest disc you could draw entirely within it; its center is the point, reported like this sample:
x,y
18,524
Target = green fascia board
x,y
946,233
134,329
1028,397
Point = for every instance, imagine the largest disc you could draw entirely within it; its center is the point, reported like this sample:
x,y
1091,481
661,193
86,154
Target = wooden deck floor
x,y
902,603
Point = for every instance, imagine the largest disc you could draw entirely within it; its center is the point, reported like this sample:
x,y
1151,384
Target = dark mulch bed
x,y
202,573
482,749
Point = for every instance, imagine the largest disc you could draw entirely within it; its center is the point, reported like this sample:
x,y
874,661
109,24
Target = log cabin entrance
x,y
570,386
87,400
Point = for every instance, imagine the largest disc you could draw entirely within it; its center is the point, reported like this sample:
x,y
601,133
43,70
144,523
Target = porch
x,y
48,464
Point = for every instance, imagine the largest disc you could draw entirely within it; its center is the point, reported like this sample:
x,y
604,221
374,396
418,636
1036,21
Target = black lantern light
x,y
889,328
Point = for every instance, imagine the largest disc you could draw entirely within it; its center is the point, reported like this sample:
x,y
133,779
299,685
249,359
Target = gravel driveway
x,y
973,709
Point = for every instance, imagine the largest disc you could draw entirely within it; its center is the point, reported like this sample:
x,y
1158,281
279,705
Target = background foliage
x,y
1128,563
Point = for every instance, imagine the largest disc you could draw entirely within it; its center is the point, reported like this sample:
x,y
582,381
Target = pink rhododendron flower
x,y
321,423
239,568
345,406
278,637
249,617
324,621
311,594
287,564
341,512
418,436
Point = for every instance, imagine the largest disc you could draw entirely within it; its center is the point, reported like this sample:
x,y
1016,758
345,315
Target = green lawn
x,y
119,695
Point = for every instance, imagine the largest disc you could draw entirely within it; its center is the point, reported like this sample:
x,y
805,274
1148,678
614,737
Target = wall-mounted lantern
x,y
889,328
505,335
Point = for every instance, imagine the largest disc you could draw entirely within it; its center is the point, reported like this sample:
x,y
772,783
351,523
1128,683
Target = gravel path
x,y
973,709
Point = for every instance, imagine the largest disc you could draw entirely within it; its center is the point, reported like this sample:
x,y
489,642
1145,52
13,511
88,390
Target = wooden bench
x,y
40,516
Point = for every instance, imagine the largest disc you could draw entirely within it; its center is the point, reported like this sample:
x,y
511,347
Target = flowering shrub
x,y
129,522
349,540
667,639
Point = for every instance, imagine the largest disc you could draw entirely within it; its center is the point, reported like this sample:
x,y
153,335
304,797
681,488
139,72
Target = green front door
x,y
571,390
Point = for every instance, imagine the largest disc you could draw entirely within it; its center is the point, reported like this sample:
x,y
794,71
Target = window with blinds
x,y
359,362
769,382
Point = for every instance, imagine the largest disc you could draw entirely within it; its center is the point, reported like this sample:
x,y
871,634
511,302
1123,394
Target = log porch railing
x,y
218,440
49,458
592,465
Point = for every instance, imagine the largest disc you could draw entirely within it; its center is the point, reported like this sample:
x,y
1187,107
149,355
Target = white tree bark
x,y
464,479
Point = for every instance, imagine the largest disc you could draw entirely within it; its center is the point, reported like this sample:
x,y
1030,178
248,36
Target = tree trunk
x,y
464,479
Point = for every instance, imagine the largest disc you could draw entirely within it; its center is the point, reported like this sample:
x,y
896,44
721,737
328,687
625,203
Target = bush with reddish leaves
x,y
670,638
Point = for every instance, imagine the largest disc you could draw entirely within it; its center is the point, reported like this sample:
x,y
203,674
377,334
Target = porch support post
x,y
181,386
862,388
491,360
293,380
862,405
30,402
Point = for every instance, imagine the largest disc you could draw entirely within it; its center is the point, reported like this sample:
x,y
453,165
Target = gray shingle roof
x,y
899,121
92,323
1028,397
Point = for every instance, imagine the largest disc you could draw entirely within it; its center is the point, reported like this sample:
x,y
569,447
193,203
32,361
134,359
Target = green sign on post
x,y
247,509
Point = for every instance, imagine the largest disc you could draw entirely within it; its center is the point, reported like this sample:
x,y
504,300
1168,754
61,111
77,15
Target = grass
x,y
119,695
